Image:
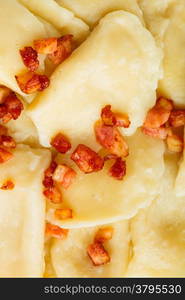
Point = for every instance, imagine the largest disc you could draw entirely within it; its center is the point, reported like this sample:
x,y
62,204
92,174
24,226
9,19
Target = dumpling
x,y
166,21
158,233
22,214
63,19
18,28
123,71
91,11
68,257
97,198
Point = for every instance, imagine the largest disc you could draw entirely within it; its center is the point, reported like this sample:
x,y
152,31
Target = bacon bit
x,y
56,231
5,155
118,170
45,46
98,254
53,194
8,185
14,106
3,111
104,234
30,58
177,118
159,133
159,114
31,82
110,138
87,160
63,213
4,92
64,49
174,142
7,117
112,119
48,181
7,142
61,143
3,130
64,175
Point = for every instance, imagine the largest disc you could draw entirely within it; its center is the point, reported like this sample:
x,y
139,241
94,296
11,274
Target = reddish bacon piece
x,y
7,142
114,119
87,160
174,142
160,133
53,194
46,46
30,58
48,181
56,231
64,49
63,213
14,106
111,139
118,170
64,175
31,82
3,130
159,114
5,155
8,185
104,234
61,143
177,118
4,92
98,255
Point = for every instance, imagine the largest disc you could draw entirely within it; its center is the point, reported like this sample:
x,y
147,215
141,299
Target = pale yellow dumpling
x,y
91,11
98,198
68,257
22,214
123,71
158,233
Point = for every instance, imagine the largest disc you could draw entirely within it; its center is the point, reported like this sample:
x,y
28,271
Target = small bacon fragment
x,y
174,142
114,119
14,106
31,82
159,114
5,155
48,181
63,213
56,231
3,111
177,118
61,143
98,255
7,142
118,170
6,118
4,92
87,160
64,49
7,185
46,45
30,58
53,194
64,175
104,234
3,130
110,138
159,133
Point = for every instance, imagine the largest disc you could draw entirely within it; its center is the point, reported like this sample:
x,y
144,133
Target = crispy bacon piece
x,y
159,114
87,160
177,118
63,213
64,49
98,255
174,142
61,143
5,155
48,181
110,138
7,142
30,58
46,45
64,175
4,92
7,185
160,133
3,130
56,231
3,111
53,194
118,170
31,82
14,106
114,119
104,234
